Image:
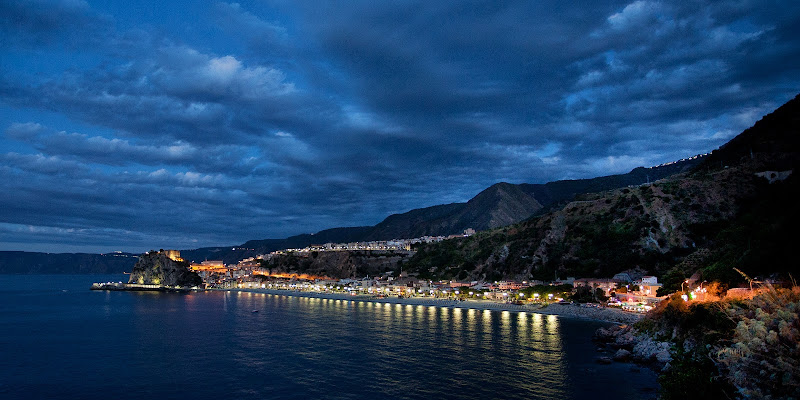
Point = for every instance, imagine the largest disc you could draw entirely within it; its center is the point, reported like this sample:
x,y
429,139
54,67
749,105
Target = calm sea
x,y
58,339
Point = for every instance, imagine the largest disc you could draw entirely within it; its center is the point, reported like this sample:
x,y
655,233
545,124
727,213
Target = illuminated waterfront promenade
x,y
565,310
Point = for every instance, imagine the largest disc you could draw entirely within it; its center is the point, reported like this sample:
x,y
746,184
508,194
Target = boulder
x,y
626,340
605,334
603,360
666,368
664,356
622,355
649,350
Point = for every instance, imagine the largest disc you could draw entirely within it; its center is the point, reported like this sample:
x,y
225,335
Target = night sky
x,y
132,125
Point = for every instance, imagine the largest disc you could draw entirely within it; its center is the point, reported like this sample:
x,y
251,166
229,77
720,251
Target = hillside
x,y
338,264
504,204
499,205
771,144
557,192
716,216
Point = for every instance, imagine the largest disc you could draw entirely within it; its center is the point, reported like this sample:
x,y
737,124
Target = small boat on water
x,y
255,311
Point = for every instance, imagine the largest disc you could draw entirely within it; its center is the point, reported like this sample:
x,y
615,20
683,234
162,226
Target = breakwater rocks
x,y
628,344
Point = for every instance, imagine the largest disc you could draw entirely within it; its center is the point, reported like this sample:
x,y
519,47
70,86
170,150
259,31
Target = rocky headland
x,y
164,269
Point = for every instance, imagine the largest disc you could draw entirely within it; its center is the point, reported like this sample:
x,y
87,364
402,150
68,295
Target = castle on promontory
x,y
164,268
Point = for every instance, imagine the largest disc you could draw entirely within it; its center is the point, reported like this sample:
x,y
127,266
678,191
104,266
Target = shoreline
x,y
561,310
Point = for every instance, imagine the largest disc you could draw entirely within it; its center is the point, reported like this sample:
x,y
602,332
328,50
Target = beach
x,y
563,310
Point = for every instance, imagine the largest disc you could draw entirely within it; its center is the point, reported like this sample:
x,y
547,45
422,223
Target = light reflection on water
x,y
467,350
158,344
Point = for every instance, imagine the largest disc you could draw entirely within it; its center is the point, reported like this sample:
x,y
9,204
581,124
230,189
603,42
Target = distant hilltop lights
x,y
396,244
118,253
681,160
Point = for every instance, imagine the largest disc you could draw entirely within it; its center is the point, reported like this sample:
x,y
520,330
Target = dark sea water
x,y
58,339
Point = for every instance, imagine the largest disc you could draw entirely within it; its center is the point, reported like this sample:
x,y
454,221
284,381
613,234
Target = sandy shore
x,y
562,310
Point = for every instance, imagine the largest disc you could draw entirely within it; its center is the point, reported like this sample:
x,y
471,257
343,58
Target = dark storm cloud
x,y
432,72
290,117
35,23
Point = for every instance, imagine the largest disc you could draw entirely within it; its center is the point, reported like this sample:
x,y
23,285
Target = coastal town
x,y
628,293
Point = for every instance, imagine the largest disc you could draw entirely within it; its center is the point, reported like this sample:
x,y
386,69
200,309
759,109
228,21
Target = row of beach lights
x,y
409,291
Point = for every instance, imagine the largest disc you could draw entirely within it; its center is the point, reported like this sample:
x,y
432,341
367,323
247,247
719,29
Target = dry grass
x,y
763,360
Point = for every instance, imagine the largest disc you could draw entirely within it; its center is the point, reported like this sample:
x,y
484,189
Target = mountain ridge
x,y
498,205
726,212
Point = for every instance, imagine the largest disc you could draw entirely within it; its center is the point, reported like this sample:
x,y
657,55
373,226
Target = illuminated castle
x,y
174,255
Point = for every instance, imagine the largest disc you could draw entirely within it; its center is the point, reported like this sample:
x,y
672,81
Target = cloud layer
x,y
196,125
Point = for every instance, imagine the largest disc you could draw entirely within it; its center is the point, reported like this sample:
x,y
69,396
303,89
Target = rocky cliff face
x,y
338,264
155,268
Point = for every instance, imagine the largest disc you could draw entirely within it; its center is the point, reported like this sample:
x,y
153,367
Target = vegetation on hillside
x,y
337,264
729,348
763,358
653,227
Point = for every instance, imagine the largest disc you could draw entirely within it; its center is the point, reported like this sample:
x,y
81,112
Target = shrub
x,y
764,359
692,375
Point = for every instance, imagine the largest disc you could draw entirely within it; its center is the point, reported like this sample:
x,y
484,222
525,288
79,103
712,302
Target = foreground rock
x,y
648,350
603,360
165,269
622,355
634,345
